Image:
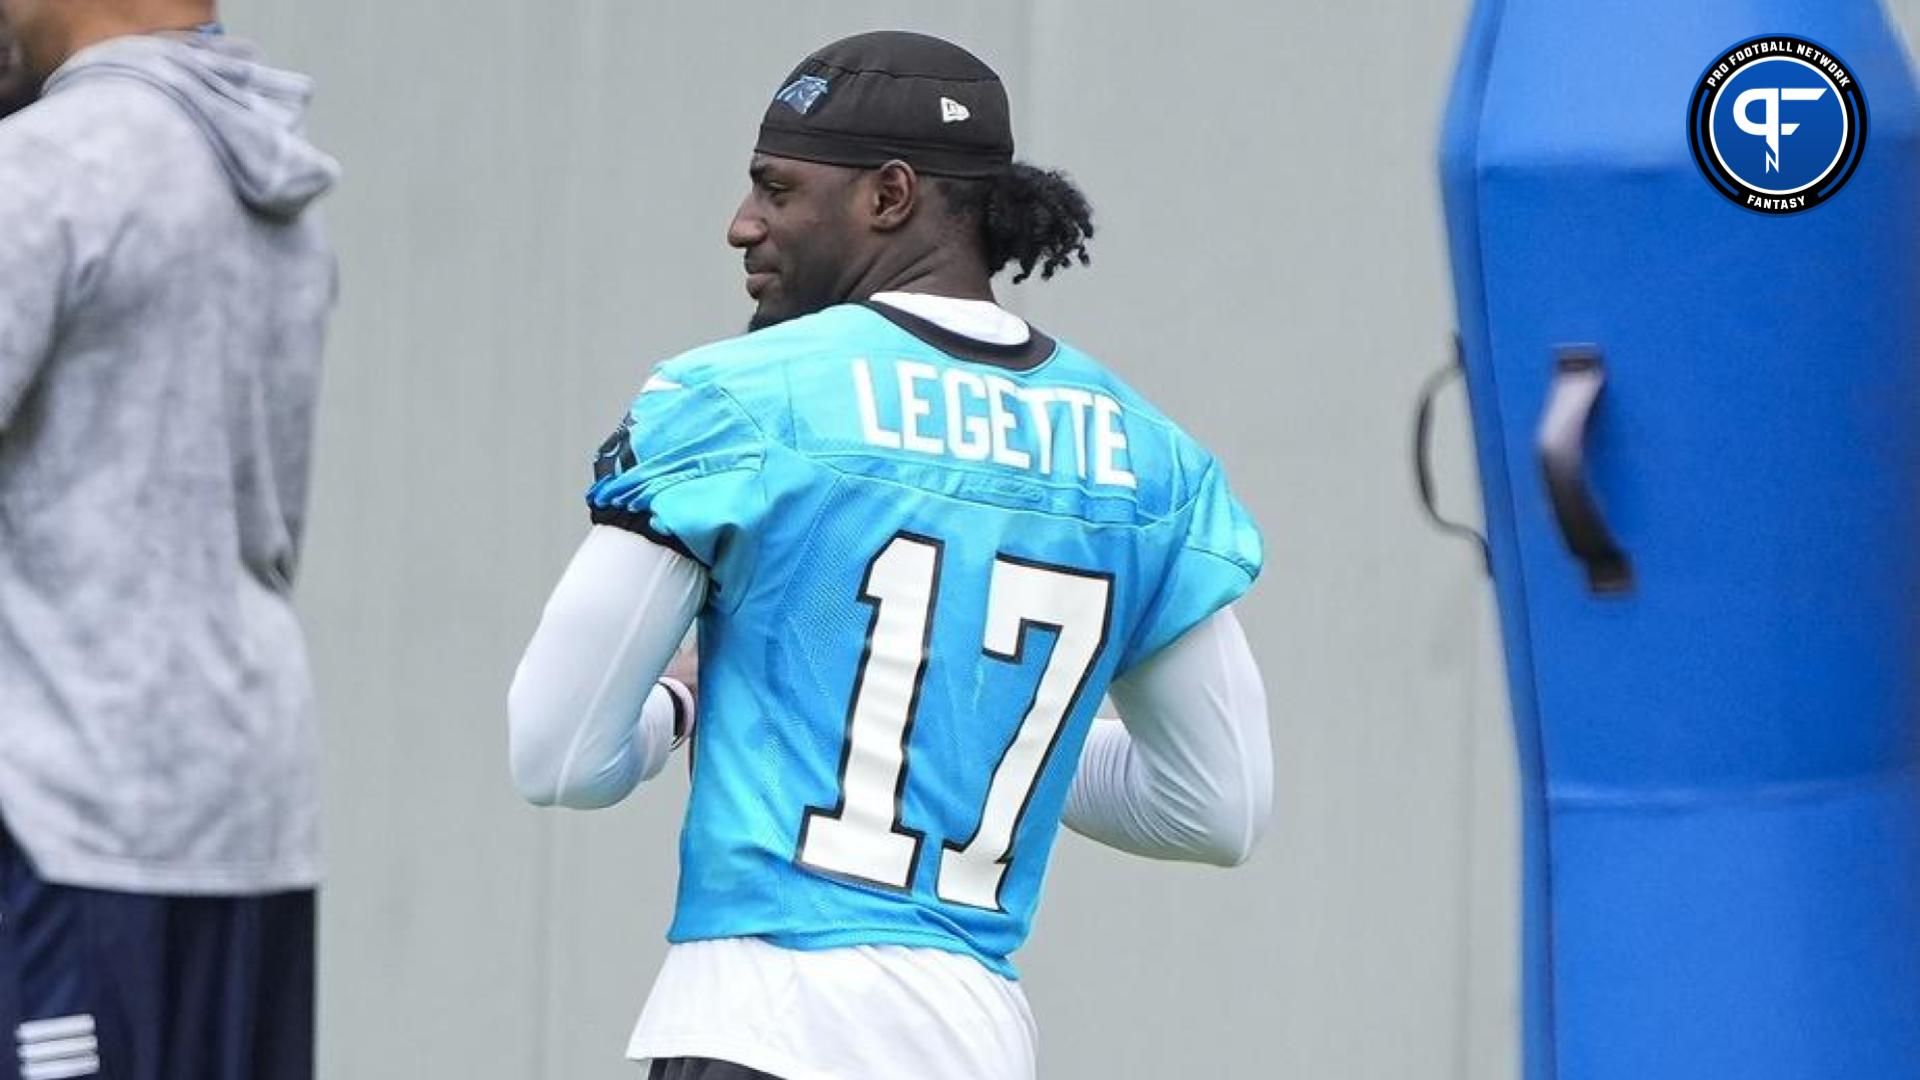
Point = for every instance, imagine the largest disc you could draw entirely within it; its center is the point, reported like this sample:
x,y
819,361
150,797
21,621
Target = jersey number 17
x,y
863,836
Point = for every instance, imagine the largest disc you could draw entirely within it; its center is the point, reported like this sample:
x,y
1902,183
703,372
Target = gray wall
x,y
533,214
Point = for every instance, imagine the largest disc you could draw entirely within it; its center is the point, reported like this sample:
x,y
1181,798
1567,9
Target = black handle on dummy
x,y
1578,378
1422,456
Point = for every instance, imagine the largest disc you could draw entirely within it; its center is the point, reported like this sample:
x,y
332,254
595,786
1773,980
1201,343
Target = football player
x,y
922,539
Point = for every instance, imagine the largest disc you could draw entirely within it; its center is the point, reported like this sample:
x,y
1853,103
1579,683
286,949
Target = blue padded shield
x,y
1710,612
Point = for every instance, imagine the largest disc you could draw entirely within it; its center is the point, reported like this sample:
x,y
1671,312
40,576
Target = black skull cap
x,y
873,98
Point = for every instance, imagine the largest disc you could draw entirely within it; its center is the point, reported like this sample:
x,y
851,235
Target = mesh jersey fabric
x,y
924,571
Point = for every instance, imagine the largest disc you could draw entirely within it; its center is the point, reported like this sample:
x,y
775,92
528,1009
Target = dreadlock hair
x,y
1033,217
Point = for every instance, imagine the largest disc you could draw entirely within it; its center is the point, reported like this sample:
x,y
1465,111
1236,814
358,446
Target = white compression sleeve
x,y
587,720
1187,771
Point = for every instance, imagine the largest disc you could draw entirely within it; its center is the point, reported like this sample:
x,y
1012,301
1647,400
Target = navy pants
x,y
134,987
703,1069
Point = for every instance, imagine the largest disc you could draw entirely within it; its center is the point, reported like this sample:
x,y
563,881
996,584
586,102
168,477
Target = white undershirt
x,y
1185,773
981,320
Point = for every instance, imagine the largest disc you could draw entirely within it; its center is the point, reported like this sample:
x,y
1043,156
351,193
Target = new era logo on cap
x,y
952,112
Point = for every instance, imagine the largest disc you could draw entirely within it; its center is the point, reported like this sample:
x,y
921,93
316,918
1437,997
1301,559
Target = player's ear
x,y
893,194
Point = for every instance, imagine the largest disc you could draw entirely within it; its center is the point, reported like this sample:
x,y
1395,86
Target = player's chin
x,y
776,308
771,312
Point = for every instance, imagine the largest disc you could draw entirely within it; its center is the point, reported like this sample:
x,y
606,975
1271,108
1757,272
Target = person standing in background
x,y
164,291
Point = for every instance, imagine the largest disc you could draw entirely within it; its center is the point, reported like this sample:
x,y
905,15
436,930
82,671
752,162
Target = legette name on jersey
x,y
992,418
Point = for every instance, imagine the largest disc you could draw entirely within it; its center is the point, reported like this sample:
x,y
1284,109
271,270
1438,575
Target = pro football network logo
x,y
1778,124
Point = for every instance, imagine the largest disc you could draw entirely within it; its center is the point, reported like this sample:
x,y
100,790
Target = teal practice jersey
x,y
928,557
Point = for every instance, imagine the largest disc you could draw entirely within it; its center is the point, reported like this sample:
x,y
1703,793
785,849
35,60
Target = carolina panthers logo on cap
x,y
1778,124
803,93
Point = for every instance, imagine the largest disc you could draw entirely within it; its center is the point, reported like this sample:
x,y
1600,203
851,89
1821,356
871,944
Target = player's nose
x,y
746,229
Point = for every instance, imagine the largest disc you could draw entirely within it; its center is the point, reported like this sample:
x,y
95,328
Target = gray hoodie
x,y
163,297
